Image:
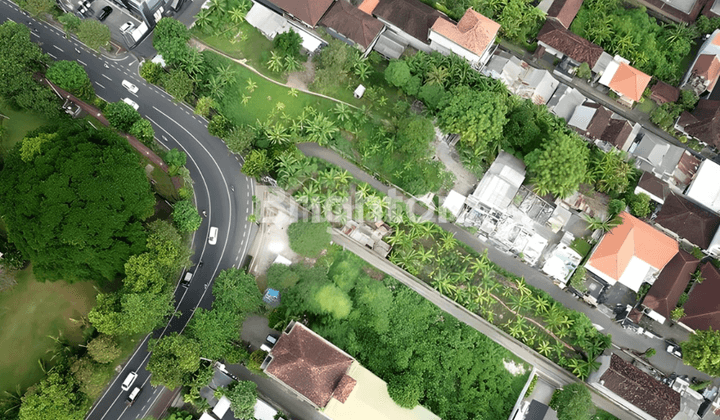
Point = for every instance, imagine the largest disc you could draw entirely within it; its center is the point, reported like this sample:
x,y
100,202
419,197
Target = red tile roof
x,y
707,66
688,220
309,364
671,283
564,11
368,6
309,11
579,49
702,309
599,120
640,389
629,81
633,238
474,32
352,23
662,92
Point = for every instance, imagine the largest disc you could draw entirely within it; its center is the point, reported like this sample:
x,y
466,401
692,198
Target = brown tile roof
x,y
412,16
352,23
629,81
579,49
688,220
640,389
344,388
309,364
671,283
654,185
564,11
617,132
633,238
599,121
635,315
704,122
686,169
474,32
702,309
707,66
309,11
663,92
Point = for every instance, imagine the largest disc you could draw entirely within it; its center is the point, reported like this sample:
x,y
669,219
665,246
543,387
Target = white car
x,y
131,103
212,240
127,27
129,86
129,380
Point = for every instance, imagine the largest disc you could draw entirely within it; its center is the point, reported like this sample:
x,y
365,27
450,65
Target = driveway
x,y
255,329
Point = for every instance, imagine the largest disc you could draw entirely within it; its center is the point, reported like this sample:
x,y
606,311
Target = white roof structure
x,y
564,101
582,116
263,411
206,416
282,260
705,187
500,183
561,263
538,85
266,21
454,202
610,70
221,407
504,67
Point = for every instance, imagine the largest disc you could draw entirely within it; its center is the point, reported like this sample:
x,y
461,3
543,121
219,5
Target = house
x,y
521,79
664,295
705,70
561,262
685,170
408,23
631,254
688,221
331,380
702,309
703,123
504,67
626,81
586,200
564,11
271,24
349,24
596,122
635,390
619,133
501,182
684,12
564,101
651,185
656,155
308,12
662,93
454,203
705,187
472,38
557,40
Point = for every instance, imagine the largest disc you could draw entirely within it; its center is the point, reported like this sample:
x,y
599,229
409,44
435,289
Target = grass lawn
x,y
603,415
263,99
647,106
17,124
581,246
29,313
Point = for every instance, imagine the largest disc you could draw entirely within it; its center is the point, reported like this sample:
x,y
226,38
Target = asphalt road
x,y
219,186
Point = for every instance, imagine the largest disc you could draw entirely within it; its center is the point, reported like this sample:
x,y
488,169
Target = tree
x,y
121,115
237,292
560,166
677,313
103,349
186,216
281,277
76,210
170,40
616,206
701,350
71,76
612,173
257,163
55,397
573,402
243,396
397,73
70,22
308,238
220,126
577,280
143,131
173,359
640,205
178,84
152,72
414,137
432,95
606,225
175,158
583,71
288,44
406,390
240,139
204,105
93,33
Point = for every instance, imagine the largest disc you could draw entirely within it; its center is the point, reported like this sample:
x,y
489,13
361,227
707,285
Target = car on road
x,y
212,239
131,103
127,27
132,396
104,13
673,348
129,380
186,280
130,87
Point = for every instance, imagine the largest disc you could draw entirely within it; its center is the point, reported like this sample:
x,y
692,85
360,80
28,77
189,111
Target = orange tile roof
x,y
634,238
629,81
716,39
368,6
474,32
707,66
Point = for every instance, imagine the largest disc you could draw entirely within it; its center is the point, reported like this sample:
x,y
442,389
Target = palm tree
x,y
245,99
226,75
216,88
277,135
342,112
437,75
544,348
426,255
237,15
447,241
342,177
523,288
443,284
595,223
275,63
520,303
293,92
193,62
251,85
203,19
321,129
292,64
362,70
362,191
541,305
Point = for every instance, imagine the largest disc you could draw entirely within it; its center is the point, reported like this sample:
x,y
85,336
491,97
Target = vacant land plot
x,y
16,125
32,312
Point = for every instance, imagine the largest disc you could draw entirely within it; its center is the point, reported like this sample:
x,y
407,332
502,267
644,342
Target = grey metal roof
x,y
657,154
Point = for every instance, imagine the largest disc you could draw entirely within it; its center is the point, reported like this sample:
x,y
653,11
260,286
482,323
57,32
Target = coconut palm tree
x,y
237,15
251,85
544,348
523,288
447,241
443,284
541,305
595,223
277,134
275,63
480,264
226,75
362,70
342,177
291,63
342,112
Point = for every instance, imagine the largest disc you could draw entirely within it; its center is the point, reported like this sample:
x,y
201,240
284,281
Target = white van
x,y
129,380
132,396
212,240
131,103
265,348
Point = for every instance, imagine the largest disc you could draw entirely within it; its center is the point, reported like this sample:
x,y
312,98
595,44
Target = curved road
x,y
215,171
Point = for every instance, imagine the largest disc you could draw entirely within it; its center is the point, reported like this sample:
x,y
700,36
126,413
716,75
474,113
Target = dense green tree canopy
x,y
55,397
242,396
143,131
308,238
76,209
701,351
71,76
560,166
103,349
170,40
121,115
186,216
573,402
173,360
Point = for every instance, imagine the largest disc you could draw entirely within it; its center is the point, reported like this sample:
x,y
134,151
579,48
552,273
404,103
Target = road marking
x,y
34,34
83,63
100,85
51,55
58,48
107,77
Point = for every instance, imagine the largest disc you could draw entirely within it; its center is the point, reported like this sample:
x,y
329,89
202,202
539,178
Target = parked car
x,y
129,380
270,339
82,10
131,103
132,396
105,13
212,240
673,348
129,86
127,27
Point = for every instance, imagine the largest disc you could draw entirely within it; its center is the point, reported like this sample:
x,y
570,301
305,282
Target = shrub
x,y
121,115
186,216
220,126
288,44
308,238
152,72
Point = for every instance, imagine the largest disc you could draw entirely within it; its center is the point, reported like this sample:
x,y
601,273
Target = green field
x,y
29,313
17,124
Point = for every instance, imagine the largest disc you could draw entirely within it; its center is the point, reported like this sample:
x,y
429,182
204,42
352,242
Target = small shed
x,y
359,92
272,297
